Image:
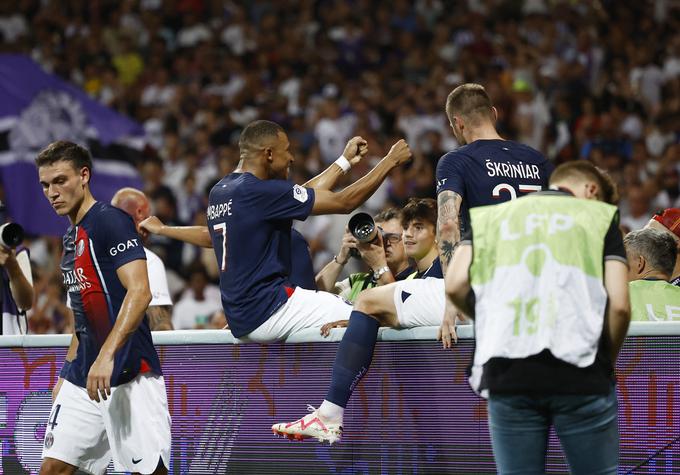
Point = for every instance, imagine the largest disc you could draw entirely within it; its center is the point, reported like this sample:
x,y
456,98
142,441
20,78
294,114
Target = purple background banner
x,y
37,108
22,79
413,413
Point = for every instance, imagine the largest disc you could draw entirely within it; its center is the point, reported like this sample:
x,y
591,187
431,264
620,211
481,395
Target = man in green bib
x,y
651,258
548,270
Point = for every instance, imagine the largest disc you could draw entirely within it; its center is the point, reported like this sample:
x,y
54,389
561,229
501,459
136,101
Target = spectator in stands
x,y
651,256
50,314
669,221
198,303
136,204
637,210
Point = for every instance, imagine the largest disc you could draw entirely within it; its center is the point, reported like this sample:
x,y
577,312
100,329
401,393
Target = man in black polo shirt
x,y
548,291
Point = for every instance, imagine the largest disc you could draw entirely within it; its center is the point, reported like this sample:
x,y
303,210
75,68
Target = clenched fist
x,y
400,153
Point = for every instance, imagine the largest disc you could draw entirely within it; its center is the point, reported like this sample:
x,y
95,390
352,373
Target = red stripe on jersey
x,y
92,293
144,367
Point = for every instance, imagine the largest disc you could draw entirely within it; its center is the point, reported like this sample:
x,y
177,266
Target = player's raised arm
x,y
347,200
133,276
355,150
196,235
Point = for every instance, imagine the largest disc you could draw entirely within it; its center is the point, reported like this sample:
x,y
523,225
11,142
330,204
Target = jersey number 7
x,y
223,228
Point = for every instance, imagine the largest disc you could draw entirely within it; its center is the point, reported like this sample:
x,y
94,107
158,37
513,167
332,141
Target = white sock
x,y
331,412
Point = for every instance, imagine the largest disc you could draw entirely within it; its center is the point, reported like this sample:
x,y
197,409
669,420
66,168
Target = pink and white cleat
x,y
310,426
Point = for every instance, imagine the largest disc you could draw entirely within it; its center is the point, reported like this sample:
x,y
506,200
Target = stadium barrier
x,y
413,413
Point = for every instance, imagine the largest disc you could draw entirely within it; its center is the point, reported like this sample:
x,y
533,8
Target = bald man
x,y
136,204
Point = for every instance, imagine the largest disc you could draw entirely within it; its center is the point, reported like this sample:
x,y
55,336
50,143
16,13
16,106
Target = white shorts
x,y
419,302
132,426
304,309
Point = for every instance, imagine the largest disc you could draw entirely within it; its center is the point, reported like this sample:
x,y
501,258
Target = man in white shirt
x,y
136,204
198,303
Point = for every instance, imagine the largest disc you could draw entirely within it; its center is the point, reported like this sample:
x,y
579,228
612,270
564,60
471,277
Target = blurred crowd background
x,y
590,80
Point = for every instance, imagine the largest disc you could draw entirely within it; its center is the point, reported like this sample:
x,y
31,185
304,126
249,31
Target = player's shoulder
x,y
527,153
461,153
104,212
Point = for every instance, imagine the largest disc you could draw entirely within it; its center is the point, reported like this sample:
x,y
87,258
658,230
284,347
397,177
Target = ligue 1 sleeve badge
x,y
300,193
49,440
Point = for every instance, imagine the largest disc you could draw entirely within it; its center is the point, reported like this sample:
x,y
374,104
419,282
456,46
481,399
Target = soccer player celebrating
x,y
110,399
250,214
486,169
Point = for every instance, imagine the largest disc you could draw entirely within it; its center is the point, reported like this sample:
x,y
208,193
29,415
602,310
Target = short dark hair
x,y
387,215
419,208
257,132
656,246
608,191
62,150
470,101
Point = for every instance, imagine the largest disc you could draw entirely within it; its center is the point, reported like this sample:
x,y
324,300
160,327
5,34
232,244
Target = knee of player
x,y
368,302
365,302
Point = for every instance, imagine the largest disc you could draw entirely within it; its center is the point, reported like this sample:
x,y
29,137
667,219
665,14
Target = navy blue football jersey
x,y
302,269
250,225
435,270
104,240
487,172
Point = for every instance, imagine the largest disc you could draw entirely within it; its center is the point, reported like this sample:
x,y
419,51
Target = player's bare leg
x,y
378,303
52,466
160,470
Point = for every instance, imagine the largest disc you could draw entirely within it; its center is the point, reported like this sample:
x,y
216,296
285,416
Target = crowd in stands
x,y
593,80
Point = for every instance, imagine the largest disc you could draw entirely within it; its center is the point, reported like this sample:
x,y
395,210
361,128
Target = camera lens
x,y
11,234
363,231
362,227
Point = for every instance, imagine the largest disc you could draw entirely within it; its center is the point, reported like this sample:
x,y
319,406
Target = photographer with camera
x,y
17,281
384,255
418,222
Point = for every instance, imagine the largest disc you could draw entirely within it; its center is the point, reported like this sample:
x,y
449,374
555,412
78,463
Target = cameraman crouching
x,y
16,295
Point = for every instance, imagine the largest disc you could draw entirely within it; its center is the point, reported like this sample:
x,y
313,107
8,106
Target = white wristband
x,y
343,163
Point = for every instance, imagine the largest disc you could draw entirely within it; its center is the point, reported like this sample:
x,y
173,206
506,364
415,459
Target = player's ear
x,y
592,191
640,264
457,123
494,113
268,154
85,175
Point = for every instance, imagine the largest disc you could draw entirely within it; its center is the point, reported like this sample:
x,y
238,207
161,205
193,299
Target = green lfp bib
x,y
537,274
654,300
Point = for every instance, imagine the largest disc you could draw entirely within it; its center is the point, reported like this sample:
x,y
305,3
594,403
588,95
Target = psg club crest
x,y
49,440
80,248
